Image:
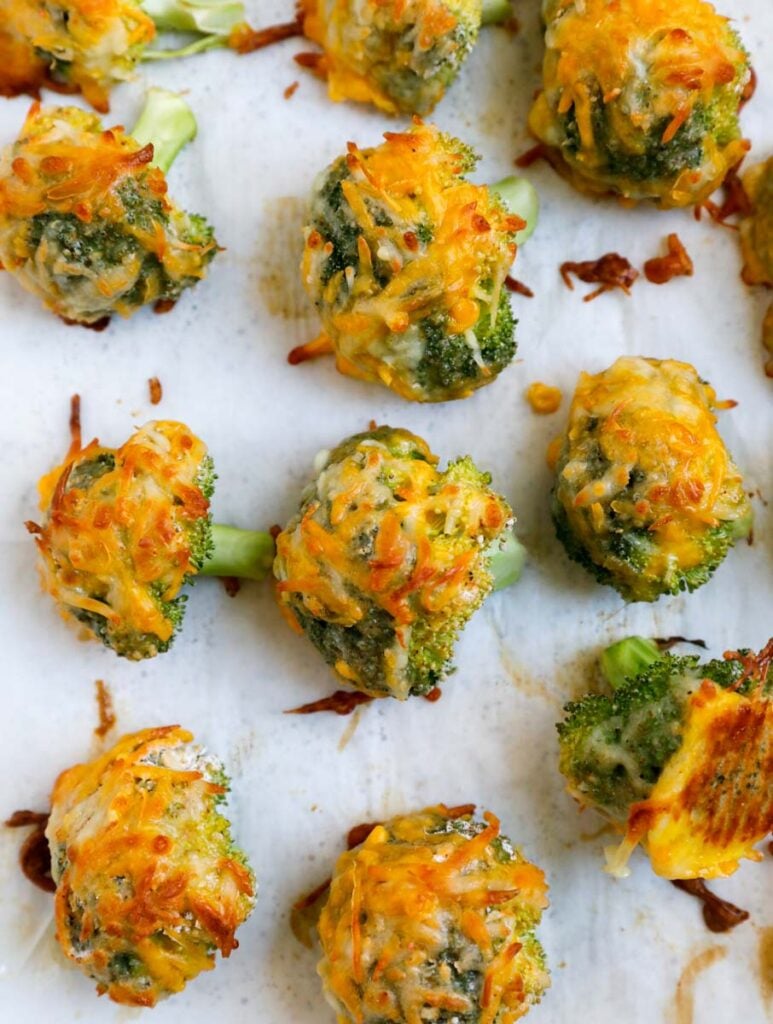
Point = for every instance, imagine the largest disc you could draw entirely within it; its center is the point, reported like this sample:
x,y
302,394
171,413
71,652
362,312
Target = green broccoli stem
x,y
507,556
519,197
627,659
496,11
212,20
246,554
168,123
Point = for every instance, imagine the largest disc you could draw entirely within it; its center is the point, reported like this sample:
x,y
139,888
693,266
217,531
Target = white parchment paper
x,y
617,948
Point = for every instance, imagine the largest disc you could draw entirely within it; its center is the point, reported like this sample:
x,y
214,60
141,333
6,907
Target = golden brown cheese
x,y
149,883
757,229
433,914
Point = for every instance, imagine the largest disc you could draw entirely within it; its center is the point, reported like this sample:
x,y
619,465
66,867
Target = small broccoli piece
x,y
406,261
431,935
399,56
146,897
678,751
85,220
126,529
388,558
646,496
641,99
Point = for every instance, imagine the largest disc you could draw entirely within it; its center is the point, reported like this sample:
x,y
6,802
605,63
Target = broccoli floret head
x,y
681,740
646,496
406,262
143,909
641,99
124,530
387,559
438,899
756,229
86,223
400,56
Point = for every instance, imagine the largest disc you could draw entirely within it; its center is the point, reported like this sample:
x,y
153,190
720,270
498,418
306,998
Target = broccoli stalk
x,y
507,556
168,123
212,20
627,659
519,197
246,554
496,11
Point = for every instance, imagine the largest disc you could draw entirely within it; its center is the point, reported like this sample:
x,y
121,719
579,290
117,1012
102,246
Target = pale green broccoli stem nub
x,y
519,197
246,554
627,659
168,122
507,556
496,11
213,20
741,528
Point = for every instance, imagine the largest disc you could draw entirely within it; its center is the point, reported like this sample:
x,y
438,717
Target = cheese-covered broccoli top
x,y
641,97
646,495
387,559
124,529
149,884
432,918
757,229
406,262
86,223
400,55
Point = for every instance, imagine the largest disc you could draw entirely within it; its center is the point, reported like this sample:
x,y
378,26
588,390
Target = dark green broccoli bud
x,y
679,754
640,98
126,529
406,261
646,495
85,220
388,558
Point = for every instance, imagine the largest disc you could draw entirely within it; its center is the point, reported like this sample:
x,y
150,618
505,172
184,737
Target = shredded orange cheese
x,y
543,398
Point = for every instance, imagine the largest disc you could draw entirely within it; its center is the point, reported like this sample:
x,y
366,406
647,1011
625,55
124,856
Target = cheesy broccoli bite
x,y
125,529
149,882
400,55
646,496
756,232
388,558
641,97
406,262
679,757
86,223
432,918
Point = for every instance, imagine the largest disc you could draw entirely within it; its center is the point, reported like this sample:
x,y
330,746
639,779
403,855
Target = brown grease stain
x,y
279,278
684,997
342,702
349,731
766,963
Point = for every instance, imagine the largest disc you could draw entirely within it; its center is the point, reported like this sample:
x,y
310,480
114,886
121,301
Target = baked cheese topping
x,y
401,248
122,532
383,531
432,918
149,883
714,799
757,229
643,477
75,45
629,79
86,223
398,54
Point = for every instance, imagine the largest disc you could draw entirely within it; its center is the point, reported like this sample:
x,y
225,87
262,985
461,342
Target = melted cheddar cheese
x,y
432,918
86,223
641,97
71,45
122,533
400,248
643,478
713,800
397,54
149,883
387,560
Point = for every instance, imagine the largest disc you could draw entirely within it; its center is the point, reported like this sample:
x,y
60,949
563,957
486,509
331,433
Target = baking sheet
x,y
617,948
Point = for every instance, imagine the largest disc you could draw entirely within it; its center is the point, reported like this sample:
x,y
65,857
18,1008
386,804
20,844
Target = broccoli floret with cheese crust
x,y
406,262
646,496
433,917
149,882
756,233
678,756
388,558
85,220
124,531
641,97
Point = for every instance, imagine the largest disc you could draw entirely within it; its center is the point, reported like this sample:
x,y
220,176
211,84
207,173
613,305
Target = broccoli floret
x,y
388,558
119,558
106,238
